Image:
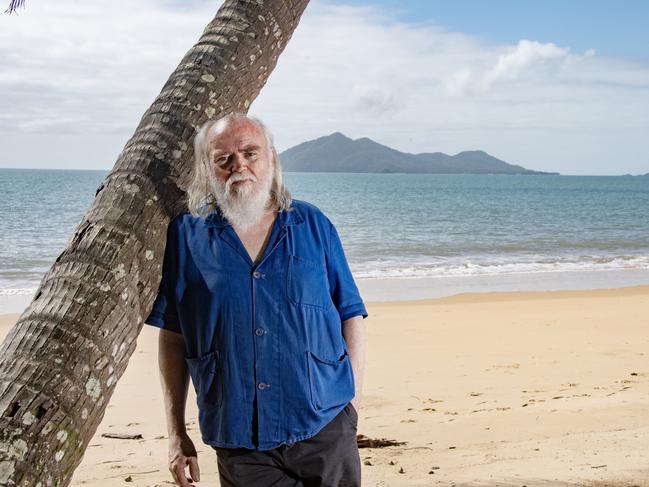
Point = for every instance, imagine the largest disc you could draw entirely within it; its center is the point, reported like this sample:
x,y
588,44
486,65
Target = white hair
x,y
200,198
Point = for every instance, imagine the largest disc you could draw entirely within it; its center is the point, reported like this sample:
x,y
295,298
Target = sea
x,y
406,236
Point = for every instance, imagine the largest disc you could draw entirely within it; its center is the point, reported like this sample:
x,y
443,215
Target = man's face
x,y
240,159
241,172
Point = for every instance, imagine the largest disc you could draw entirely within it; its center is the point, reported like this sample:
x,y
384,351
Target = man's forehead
x,y
238,132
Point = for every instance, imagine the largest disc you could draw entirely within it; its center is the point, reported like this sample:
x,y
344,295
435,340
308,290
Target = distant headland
x,y
339,153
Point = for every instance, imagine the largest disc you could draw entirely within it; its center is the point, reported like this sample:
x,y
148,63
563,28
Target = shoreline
x,y
416,288
378,289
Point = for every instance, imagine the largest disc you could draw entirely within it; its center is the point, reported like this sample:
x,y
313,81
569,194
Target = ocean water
x,y
393,226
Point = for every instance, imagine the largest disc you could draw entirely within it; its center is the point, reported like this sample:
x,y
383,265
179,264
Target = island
x,y
339,153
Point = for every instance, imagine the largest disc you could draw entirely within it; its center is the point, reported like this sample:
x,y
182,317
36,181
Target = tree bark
x,y
61,361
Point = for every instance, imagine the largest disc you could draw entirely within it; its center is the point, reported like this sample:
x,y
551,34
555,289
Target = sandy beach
x,y
506,388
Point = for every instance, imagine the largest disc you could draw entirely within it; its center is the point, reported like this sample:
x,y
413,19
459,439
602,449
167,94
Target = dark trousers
x,y
328,459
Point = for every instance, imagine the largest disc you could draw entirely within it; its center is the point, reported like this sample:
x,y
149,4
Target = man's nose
x,y
238,162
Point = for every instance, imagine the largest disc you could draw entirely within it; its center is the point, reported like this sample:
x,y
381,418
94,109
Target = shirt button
x,y
256,274
262,385
259,331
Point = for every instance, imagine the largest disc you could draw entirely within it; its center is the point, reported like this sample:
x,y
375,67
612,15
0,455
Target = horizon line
x,y
345,172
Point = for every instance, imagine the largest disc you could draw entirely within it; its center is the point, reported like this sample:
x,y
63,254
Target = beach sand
x,y
508,388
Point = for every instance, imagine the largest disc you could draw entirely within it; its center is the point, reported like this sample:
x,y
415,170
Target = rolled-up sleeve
x,y
344,292
164,313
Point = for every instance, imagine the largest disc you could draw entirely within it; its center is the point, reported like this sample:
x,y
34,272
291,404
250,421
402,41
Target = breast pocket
x,y
307,283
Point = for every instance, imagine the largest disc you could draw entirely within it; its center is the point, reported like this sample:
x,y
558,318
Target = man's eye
x,y
251,155
222,160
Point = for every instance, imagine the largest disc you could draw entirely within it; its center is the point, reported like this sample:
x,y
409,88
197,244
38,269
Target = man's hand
x,y
174,378
181,453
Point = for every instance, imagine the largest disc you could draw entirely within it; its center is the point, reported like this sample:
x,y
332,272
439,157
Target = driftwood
x,y
366,442
122,436
61,361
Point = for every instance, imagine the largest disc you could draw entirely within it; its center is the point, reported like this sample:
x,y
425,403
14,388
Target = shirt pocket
x,y
307,283
331,382
204,373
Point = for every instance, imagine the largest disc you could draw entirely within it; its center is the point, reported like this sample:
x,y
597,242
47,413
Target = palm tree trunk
x,y
61,361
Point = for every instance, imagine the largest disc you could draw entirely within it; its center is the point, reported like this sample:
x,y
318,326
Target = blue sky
x,y
552,86
612,28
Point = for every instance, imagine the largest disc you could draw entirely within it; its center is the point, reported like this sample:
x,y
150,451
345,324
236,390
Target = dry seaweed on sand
x,y
366,442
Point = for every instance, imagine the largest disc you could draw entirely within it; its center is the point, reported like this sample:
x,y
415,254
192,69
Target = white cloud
x,y
373,99
523,57
71,67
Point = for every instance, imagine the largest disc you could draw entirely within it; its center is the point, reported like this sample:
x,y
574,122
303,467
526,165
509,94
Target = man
x,y
258,306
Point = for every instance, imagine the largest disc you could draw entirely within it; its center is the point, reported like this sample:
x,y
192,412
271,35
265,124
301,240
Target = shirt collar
x,y
285,218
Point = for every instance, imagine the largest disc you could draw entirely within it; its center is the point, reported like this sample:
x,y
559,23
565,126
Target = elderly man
x,y
258,306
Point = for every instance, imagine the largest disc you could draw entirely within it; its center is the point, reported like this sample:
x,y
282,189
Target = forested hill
x,y
338,153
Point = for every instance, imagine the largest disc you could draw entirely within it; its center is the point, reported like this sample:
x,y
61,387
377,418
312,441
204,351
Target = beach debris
x,y
619,390
368,463
634,373
392,462
122,436
598,466
407,421
504,366
128,479
475,394
432,470
429,409
366,442
525,405
401,470
452,447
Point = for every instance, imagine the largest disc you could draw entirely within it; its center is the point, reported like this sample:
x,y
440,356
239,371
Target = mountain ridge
x,y
338,153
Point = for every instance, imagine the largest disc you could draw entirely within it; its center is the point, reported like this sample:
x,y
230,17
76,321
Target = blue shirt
x,y
264,343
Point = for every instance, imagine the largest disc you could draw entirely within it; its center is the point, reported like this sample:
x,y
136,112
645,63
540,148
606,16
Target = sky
x,y
559,86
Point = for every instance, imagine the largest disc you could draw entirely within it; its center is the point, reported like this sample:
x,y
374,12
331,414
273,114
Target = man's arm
x,y
354,335
174,378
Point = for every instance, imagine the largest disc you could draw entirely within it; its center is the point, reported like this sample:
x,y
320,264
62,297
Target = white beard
x,y
243,206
